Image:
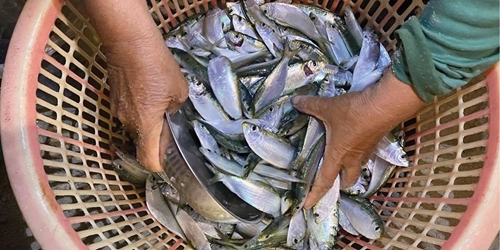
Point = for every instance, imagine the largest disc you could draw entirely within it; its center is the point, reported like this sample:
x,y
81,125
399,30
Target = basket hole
x,y
363,4
449,105
89,199
73,213
447,156
103,135
104,146
473,109
80,58
57,185
389,24
428,114
92,164
474,94
91,36
466,180
59,42
86,48
66,199
100,61
434,194
53,70
117,140
470,166
448,131
449,118
427,138
75,69
427,126
82,226
104,198
440,182
71,96
97,72
404,6
426,149
70,134
91,94
69,121
438,234
128,187
100,187
72,147
428,245
473,152
106,156
111,233
88,117
111,177
91,107
82,186
91,130
443,169
40,94
476,137
96,175
52,156
103,125
104,113
476,122
70,33
88,240
374,8
72,82
448,144
382,15
95,83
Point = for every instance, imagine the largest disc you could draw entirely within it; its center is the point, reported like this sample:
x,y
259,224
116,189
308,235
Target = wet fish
x,y
204,101
268,146
381,172
224,84
391,150
362,217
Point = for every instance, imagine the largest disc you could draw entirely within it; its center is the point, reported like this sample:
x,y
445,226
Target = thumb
x,y
148,147
312,105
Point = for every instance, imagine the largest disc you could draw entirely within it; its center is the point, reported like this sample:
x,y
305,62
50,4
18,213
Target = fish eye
x,y
263,24
120,167
240,18
377,228
174,36
271,109
313,18
237,36
245,167
198,83
209,150
184,33
152,178
314,63
191,48
295,240
365,169
404,157
254,128
267,236
265,11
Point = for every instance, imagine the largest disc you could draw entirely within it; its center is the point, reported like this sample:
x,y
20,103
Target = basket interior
x,y
421,205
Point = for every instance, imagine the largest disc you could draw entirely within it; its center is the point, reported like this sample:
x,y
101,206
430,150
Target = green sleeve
x,y
448,45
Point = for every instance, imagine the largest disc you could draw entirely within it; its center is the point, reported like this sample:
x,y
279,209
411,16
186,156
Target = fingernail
x,y
307,204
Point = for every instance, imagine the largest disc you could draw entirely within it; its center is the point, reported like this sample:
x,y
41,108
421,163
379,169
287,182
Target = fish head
x,y
199,128
402,157
252,131
268,9
312,67
195,86
235,38
375,230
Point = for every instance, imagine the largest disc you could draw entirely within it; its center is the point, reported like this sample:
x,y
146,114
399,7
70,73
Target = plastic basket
x,y
57,127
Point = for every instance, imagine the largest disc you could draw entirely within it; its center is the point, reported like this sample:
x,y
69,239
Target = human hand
x,y
141,90
355,123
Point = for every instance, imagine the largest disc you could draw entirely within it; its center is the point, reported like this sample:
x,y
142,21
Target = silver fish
x,y
250,230
270,117
274,84
257,194
357,188
296,230
291,16
381,172
193,232
224,84
255,14
274,173
323,209
216,21
322,235
128,168
353,25
271,39
268,146
244,43
362,217
301,74
391,150
241,25
206,139
346,224
367,60
204,101
235,8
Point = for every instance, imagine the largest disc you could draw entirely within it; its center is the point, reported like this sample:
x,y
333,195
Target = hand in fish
x,y
366,117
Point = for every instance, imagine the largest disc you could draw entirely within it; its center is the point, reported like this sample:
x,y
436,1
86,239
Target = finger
x,y
326,176
351,169
148,147
165,139
313,105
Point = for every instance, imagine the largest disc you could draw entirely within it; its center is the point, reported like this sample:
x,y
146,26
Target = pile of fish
x,y
243,65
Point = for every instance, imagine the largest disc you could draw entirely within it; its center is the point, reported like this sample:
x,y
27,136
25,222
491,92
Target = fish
x,y
301,74
274,173
391,150
346,224
257,194
241,25
363,217
353,25
296,230
268,146
204,101
206,139
129,169
381,172
367,61
224,84
216,21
